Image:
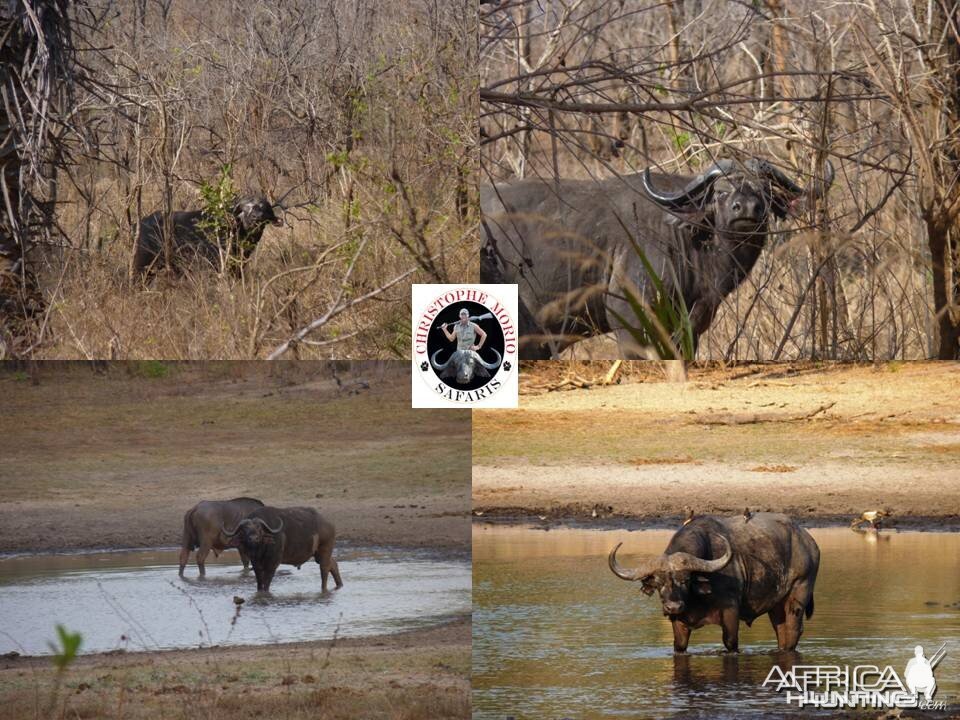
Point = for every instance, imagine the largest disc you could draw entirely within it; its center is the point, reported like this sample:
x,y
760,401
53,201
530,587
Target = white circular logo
x,y
465,345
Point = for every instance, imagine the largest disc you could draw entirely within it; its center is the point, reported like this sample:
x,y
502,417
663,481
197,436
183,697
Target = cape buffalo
x,y
464,364
291,536
201,529
568,245
719,571
194,240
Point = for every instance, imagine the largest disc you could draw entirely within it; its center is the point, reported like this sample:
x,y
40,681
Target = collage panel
x,y
225,540
758,541
238,179
723,181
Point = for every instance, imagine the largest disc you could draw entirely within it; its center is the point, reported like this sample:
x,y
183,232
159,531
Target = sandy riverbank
x,y
823,443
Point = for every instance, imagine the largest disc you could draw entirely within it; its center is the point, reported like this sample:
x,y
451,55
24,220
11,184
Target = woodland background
x,y
588,88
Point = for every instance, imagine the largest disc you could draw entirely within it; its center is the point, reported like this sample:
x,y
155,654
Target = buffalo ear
x,y
783,205
648,585
694,227
701,585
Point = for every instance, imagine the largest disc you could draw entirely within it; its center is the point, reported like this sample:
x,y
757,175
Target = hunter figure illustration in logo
x,y
465,345
465,362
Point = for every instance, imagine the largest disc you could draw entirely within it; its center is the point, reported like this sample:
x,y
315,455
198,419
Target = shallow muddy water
x,y
136,601
557,635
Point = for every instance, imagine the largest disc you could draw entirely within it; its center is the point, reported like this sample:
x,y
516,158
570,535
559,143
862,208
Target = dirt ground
x,y
115,459
821,442
423,674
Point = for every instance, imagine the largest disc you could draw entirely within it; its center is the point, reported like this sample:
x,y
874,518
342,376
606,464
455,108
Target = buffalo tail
x,y
189,541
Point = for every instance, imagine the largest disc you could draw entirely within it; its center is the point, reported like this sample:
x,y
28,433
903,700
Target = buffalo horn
x,y
268,528
436,366
492,365
223,529
646,569
693,190
787,184
685,561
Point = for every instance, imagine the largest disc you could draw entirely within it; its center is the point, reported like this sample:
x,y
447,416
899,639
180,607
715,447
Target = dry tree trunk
x,y
34,62
943,233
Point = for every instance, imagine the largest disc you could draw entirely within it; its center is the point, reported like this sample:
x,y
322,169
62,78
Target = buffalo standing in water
x,y
719,571
201,529
568,245
291,536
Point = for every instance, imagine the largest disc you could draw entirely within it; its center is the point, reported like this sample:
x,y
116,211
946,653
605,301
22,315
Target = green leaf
x,y
664,324
69,647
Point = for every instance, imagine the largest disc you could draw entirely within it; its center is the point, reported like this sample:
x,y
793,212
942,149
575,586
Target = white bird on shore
x,y
874,517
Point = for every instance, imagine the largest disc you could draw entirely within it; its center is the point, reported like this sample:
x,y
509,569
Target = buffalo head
x,y
735,200
252,532
464,364
252,215
674,576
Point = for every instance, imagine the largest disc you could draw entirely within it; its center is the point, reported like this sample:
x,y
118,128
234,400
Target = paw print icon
x,y
424,366
506,366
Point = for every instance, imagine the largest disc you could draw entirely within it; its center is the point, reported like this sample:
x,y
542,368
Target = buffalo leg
x,y
327,565
184,557
778,617
730,622
245,559
267,576
793,608
202,559
627,346
258,572
681,636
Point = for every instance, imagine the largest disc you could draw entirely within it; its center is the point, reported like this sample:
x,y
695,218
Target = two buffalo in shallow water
x,y
265,537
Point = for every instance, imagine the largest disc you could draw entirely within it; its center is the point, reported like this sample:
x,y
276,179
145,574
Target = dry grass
x,y
684,460
421,676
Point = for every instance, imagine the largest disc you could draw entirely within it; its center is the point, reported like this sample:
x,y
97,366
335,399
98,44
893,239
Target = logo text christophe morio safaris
x,y
465,345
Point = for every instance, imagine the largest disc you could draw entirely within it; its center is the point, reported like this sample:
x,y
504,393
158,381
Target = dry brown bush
x,y
359,115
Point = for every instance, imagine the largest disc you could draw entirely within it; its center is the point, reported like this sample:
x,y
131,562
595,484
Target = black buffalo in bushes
x,y
272,536
194,238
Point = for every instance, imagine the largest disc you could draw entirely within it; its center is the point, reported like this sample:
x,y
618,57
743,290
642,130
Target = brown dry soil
x,y
417,675
112,460
115,460
820,442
